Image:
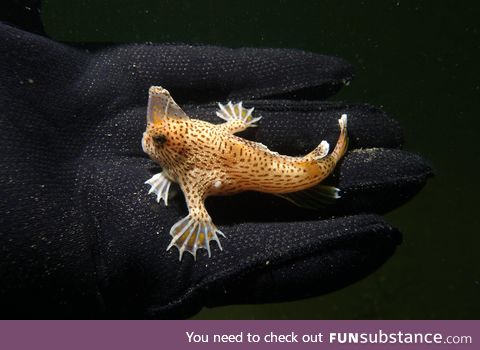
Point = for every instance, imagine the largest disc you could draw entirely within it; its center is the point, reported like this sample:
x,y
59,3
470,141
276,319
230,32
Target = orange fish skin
x,y
204,153
207,159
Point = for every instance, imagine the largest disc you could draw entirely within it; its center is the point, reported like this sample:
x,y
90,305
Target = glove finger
x,y
211,73
297,127
122,74
271,262
379,180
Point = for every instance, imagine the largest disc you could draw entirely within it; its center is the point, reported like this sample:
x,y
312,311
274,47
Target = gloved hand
x,y
80,236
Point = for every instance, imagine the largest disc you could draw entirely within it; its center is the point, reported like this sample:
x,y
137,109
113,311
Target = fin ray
x,y
190,235
236,112
317,197
160,186
161,105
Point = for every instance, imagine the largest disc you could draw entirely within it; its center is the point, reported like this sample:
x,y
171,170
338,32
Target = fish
x,y
207,159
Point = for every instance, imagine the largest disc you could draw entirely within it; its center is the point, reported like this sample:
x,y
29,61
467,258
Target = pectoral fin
x,y
236,116
160,186
190,234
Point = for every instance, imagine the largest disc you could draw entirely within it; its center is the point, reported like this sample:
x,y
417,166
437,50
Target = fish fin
x,y
190,234
321,151
161,105
160,186
316,197
323,148
342,143
236,116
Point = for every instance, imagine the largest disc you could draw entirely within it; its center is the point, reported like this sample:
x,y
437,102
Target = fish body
x,y
208,159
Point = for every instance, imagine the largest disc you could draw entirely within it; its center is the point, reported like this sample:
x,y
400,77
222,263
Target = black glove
x,y
80,236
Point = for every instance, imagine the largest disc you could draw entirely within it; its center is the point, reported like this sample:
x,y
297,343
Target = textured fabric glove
x,y
80,236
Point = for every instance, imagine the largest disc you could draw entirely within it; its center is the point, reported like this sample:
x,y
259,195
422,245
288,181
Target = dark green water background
x,y
419,60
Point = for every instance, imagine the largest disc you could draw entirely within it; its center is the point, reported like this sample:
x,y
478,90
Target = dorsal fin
x,y
161,105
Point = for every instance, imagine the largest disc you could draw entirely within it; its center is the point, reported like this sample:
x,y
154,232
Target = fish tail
x,y
323,148
342,143
319,196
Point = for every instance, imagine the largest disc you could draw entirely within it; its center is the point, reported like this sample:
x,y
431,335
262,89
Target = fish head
x,y
167,124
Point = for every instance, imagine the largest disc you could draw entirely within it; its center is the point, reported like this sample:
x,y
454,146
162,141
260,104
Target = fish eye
x,y
159,139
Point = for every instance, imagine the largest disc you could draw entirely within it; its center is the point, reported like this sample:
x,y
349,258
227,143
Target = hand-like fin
x,y
161,106
160,186
189,235
237,117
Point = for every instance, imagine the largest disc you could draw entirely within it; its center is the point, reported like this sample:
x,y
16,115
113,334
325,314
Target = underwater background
x,y
418,60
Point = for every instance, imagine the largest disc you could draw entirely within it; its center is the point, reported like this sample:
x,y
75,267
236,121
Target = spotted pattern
x,y
208,160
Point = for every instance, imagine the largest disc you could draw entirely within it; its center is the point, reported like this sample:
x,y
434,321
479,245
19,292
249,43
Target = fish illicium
x,y
208,159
